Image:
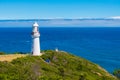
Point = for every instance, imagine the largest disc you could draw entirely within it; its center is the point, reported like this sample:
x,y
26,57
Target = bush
x,y
117,73
2,53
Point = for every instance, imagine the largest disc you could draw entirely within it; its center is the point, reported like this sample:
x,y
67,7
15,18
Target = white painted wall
x,y
36,47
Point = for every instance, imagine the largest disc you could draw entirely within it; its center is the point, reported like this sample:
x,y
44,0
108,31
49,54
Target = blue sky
x,y
36,9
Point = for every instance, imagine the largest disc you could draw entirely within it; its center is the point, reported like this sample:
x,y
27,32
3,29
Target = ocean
x,y
99,45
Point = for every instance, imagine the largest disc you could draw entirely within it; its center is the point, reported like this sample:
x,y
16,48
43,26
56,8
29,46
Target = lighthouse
x,y
36,41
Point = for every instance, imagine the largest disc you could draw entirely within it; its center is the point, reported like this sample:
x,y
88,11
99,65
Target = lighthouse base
x,y
36,54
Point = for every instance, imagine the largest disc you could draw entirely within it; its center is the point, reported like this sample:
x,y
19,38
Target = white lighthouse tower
x,y
36,42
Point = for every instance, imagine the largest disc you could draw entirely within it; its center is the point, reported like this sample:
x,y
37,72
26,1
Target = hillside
x,y
52,66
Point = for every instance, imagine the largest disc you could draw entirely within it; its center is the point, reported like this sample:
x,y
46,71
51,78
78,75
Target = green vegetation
x,y
52,66
117,73
2,53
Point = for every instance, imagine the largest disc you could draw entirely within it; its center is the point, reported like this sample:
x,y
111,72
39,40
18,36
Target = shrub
x,y
2,53
117,73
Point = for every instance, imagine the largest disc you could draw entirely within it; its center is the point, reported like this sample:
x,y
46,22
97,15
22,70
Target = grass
x,y
51,66
11,57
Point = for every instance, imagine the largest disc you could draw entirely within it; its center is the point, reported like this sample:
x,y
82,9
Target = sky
x,y
44,9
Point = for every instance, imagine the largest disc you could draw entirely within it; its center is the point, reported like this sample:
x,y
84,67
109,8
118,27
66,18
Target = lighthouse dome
x,y
35,24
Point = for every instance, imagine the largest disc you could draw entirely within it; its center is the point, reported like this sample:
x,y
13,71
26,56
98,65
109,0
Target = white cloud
x,y
115,17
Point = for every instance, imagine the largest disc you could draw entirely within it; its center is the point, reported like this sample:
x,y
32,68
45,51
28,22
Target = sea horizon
x,y
62,22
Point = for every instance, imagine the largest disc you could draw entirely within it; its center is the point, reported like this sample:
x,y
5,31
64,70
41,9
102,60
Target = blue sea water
x,y
99,45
